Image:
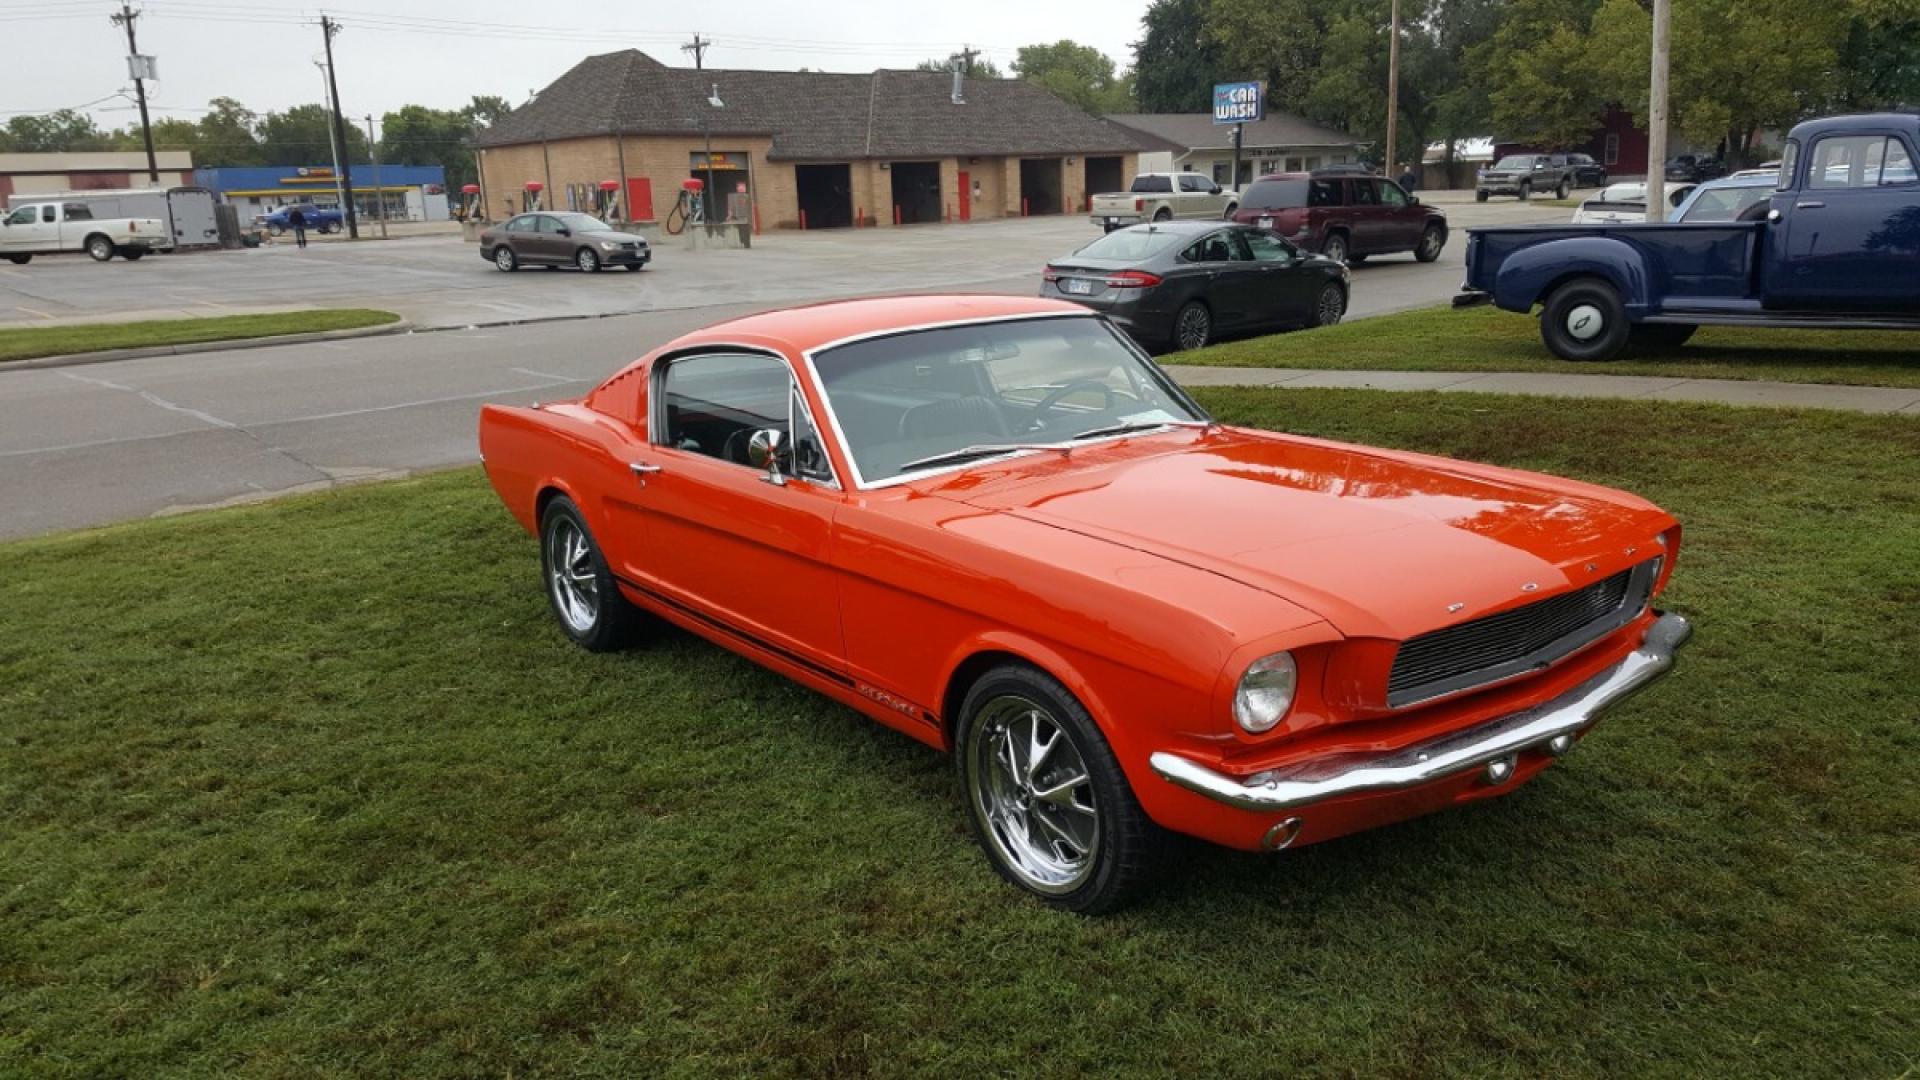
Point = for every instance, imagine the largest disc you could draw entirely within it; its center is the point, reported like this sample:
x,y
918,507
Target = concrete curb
x,y
41,363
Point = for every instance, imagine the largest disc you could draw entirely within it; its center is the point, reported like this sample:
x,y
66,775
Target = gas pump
x,y
689,209
606,203
470,208
530,198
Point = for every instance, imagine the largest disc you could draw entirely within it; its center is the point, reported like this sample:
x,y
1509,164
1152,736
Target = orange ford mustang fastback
x,y
994,524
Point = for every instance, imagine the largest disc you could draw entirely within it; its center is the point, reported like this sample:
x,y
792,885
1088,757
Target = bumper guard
x,y
1550,726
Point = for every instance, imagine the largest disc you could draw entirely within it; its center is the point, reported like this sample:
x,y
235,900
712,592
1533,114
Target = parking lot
x,y
440,280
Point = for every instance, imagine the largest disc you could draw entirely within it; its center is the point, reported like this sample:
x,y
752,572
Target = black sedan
x,y
1181,284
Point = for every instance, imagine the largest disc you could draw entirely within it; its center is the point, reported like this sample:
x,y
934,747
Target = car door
x,y
1364,211
549,246
1230,280
1197,197
522,235
1851,234
1402,220
1284,294
23,231
721,541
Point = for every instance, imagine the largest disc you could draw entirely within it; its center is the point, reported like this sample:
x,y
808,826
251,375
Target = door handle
x,y
642,470
1808,205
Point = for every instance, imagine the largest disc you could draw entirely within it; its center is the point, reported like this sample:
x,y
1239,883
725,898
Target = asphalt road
x,y
100,443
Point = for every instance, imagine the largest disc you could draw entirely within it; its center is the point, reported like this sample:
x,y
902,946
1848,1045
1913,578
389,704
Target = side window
x,y
1848,161
713,404
77,212
1391,195
1195,182
519,224
1363,192
22,216
1220,171
1324,193
47,216
1237,250
1266,247
1898,168
1612,149
1212,248
809,453
547,224
1788,159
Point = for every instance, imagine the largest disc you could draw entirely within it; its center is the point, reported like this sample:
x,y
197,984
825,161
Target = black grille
x,y
1457,657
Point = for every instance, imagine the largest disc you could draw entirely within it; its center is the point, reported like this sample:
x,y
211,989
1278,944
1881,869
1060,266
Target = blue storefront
x,y
401,192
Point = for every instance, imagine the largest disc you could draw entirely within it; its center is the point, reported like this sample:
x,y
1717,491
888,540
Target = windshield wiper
x,y
968,453
1132,426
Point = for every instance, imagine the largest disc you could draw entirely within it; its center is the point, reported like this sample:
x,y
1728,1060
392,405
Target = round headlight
x,y
1265,692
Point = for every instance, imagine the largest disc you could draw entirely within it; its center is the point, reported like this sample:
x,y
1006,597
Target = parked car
x,y
1730,198
321,219
1180,284
1626,203
1344,214
1526,175
993,524
1695,168
1838,247
1586,171
46,228
551,238
1164,197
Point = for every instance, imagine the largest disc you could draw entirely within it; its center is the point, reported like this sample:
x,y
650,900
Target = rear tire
x,y
1163,214
581,591
99,248
1335,247
277,230
1047,799
1192,326
133,254
19,260
1585,321
1565,189
505,260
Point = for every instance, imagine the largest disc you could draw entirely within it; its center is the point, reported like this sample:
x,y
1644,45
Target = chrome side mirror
x,y
765,449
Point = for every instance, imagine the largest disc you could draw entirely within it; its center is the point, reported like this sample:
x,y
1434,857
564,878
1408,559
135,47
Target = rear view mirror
x,y
564,231
1215,190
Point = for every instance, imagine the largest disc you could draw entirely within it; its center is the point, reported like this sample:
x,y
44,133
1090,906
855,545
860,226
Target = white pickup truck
x,y
46,228
1162,197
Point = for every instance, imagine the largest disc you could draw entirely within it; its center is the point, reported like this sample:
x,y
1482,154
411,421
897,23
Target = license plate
x,y
1078,286
1266,223
1113,221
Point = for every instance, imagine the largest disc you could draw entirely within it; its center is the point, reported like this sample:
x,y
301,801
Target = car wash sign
x,y
1239,102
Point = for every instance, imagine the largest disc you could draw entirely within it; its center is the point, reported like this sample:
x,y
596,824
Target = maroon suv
x,y
1346,214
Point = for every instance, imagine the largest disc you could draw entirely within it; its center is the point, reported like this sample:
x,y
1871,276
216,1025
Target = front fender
x,y
1528,274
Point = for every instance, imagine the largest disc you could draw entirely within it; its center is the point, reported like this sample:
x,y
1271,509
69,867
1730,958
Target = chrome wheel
x,y
503,257
1336,248
570,576
1430,245
1034,794
1193,327
587,260
1333,304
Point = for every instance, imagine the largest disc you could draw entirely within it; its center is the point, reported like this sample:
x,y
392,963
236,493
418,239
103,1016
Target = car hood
x,y
1379,544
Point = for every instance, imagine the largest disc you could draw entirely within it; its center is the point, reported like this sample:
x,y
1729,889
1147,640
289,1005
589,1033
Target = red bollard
x,y
803,221
756,219
896,213
1023,206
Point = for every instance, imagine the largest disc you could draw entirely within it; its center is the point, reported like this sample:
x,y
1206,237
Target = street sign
x,y
1238,103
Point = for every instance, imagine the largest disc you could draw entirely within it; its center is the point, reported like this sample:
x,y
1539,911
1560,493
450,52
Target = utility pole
x,y
379,193
1393,91
328,28
137,67
962,62
1657,113
333,141
698,47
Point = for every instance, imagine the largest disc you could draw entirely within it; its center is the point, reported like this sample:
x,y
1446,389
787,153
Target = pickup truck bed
x,y
1838,247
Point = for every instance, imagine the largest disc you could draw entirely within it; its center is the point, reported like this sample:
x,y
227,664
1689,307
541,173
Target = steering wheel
x,y
1059,393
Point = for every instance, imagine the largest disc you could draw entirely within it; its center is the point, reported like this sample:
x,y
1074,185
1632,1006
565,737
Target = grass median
x,y
316,788
34,342
1487,339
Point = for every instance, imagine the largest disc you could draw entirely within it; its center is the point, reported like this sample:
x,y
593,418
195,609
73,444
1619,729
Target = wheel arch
x,y
972,660
1530,275
96,235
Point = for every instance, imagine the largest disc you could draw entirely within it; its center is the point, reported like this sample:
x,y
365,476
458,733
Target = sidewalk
x,y
1783,395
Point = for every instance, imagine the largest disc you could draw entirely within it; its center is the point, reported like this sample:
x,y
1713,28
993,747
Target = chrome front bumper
x,y
1550,726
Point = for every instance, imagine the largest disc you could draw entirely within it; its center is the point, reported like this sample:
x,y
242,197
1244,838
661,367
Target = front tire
x,y
1585,321
1526,192
505,260
1565,189
1330,306
585,599
99,248
19,260
1232,209
1047,799
587,261
1480,196
1192,326
1431,242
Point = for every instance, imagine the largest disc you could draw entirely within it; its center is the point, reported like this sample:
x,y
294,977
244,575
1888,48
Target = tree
x,y
417,135
1080,75
227,135
61,131
1177,62
1542,81
487,109
299,137
976,68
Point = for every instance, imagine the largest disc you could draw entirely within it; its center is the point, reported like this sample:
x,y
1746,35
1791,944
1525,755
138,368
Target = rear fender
x,y
1528,275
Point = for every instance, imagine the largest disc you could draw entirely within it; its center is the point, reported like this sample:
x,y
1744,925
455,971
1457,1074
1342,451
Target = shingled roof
x,y
813,115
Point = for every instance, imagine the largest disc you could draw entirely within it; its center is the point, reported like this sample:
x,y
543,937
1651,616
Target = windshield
x,y
1512,162
1152,185
909,397
1276,194
582,222
1725,204
1130,245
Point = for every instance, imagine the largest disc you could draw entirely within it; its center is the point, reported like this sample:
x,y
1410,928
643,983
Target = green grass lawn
x,y
1487,339
314,788
33,342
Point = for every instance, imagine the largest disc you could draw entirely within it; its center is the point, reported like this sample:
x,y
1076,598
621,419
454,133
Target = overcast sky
x,y
64,53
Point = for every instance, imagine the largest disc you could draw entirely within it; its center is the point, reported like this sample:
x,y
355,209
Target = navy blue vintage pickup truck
x,y
1837,246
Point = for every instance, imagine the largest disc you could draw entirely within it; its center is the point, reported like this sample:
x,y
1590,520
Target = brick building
x,y
801,148
40,174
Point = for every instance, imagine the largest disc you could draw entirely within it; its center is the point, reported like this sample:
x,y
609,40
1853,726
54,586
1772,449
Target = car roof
x,y
815,325
1768,180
